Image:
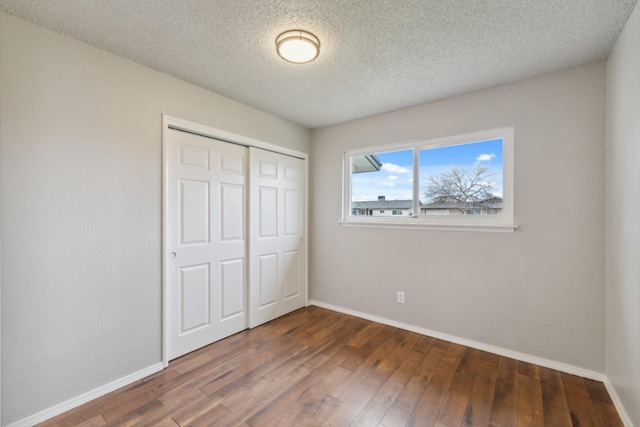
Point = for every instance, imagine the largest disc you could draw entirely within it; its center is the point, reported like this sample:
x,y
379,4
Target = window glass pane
x,y
463,179
382,184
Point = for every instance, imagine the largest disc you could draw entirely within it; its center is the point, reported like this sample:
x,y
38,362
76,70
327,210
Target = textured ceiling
x,y
376,55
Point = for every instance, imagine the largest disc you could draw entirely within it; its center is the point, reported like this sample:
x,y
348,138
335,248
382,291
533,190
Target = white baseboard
x,y
626,419
552,364
86,397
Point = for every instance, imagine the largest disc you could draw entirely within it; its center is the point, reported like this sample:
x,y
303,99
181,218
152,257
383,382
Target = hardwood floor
x,y
316,367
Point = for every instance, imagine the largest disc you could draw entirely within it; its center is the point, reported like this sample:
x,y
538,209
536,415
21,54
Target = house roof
x,y
365,163
447,203
383,204
375,56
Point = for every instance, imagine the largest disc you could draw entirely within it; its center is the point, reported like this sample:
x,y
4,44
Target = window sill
x,y
493,228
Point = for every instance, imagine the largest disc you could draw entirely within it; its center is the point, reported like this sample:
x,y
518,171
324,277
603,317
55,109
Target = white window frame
x,y
496,223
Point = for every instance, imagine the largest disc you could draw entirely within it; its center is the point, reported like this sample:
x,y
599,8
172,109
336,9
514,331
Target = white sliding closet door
x,y
277,222
205,241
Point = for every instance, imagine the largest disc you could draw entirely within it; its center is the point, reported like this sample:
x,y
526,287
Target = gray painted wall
x,y
80,194
540,290
623,218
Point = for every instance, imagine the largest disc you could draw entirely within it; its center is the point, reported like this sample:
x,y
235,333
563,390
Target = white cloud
x,y
485,157
391,168
392,181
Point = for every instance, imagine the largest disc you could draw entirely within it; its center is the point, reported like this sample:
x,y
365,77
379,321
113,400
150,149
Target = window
x,y
457,182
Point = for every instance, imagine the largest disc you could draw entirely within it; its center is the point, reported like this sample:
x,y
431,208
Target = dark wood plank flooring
x,y
316,367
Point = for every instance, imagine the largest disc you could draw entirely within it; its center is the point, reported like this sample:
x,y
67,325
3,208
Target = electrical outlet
x,y
400,297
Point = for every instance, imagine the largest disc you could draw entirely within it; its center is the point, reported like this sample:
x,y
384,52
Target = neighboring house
x,y
442,206
449,206
382,207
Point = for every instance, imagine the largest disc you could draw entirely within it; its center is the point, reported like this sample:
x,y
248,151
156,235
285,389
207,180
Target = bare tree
x,y
465,187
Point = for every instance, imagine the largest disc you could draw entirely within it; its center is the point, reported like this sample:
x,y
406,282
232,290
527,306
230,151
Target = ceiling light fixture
x,y
297,46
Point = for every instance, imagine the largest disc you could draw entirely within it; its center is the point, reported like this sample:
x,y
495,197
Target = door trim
x,y
169,122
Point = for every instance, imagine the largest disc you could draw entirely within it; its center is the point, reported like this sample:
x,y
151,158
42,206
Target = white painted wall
x,y
623,218
538,291
80,173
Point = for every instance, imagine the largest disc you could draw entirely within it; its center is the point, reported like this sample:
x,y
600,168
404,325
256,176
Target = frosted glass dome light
x,y
297,46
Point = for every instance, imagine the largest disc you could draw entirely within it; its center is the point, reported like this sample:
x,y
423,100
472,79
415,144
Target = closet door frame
x,y
169,122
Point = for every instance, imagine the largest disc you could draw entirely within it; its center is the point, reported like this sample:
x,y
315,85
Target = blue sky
x,y
395,178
